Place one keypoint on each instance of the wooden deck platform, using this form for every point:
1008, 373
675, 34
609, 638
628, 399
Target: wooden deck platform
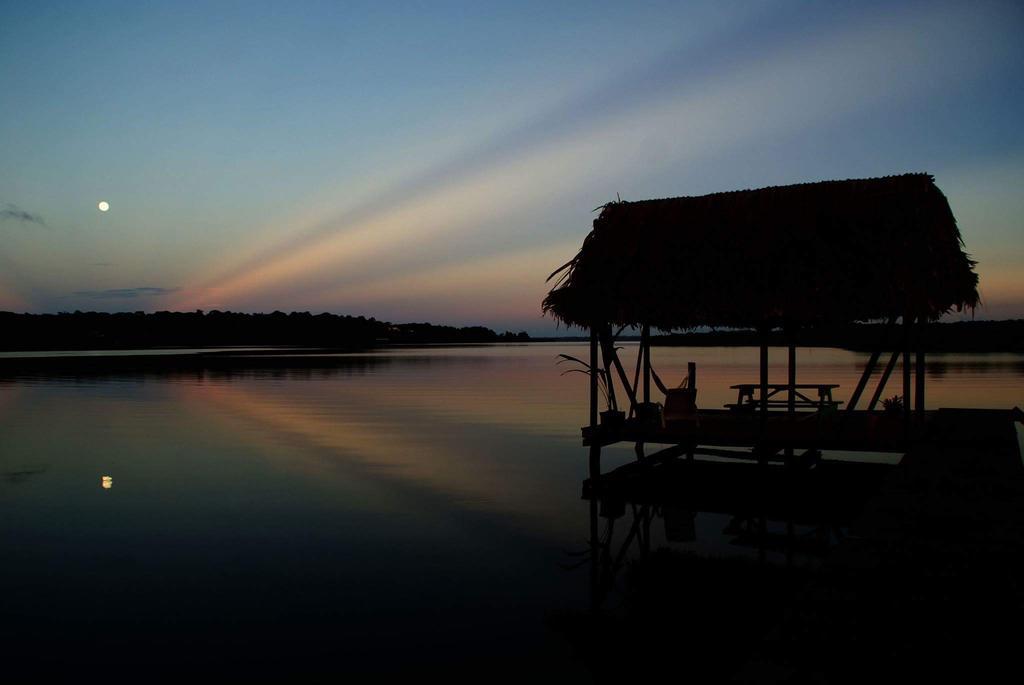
834, 430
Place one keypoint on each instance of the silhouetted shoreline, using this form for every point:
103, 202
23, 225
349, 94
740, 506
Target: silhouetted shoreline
139, 330
301, 333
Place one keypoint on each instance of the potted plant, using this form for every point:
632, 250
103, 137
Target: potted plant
880, 424
611, 416
893, 405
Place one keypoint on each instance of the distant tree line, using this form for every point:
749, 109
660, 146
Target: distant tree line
960, 336
99, 330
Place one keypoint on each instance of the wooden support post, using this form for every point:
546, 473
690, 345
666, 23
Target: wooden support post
644, 359
645, 349
636, 370
919, 371
764, 373
764, 379
609, 383
789, 330
791, 379
593, 377
907, 330
614, 356
691, 383
595, 448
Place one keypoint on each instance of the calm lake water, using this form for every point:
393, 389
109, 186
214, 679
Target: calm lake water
409, 511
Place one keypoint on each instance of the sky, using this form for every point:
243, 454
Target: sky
435, 161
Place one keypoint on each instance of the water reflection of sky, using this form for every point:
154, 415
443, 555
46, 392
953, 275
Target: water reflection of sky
425, 495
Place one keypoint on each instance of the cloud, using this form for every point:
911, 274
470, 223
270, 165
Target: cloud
12, 212
123, 293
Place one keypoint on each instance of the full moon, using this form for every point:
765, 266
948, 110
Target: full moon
103, 205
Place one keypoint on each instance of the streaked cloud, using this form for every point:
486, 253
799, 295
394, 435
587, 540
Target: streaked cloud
489, 289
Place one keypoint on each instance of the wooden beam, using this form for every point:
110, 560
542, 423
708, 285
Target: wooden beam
763, 331
764, 373
595, 449
645, 345
630, 391
636, 371
609, 384
593, 377
869, 368
907, 330
790, 331
919, 371
791, 379
884, 379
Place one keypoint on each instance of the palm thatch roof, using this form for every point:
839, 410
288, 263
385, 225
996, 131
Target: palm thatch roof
828, 252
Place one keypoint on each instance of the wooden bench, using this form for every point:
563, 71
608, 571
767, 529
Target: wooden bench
747, 396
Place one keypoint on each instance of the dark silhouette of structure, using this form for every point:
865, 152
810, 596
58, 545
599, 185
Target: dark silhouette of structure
934, 543
790, 258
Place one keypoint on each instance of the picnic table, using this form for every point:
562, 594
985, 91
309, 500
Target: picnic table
778, 396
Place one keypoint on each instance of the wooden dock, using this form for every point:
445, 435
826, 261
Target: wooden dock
926, 581
838, 430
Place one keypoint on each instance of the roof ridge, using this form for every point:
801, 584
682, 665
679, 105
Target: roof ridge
787, 186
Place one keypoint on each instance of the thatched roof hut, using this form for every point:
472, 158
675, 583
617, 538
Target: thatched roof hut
828, 252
